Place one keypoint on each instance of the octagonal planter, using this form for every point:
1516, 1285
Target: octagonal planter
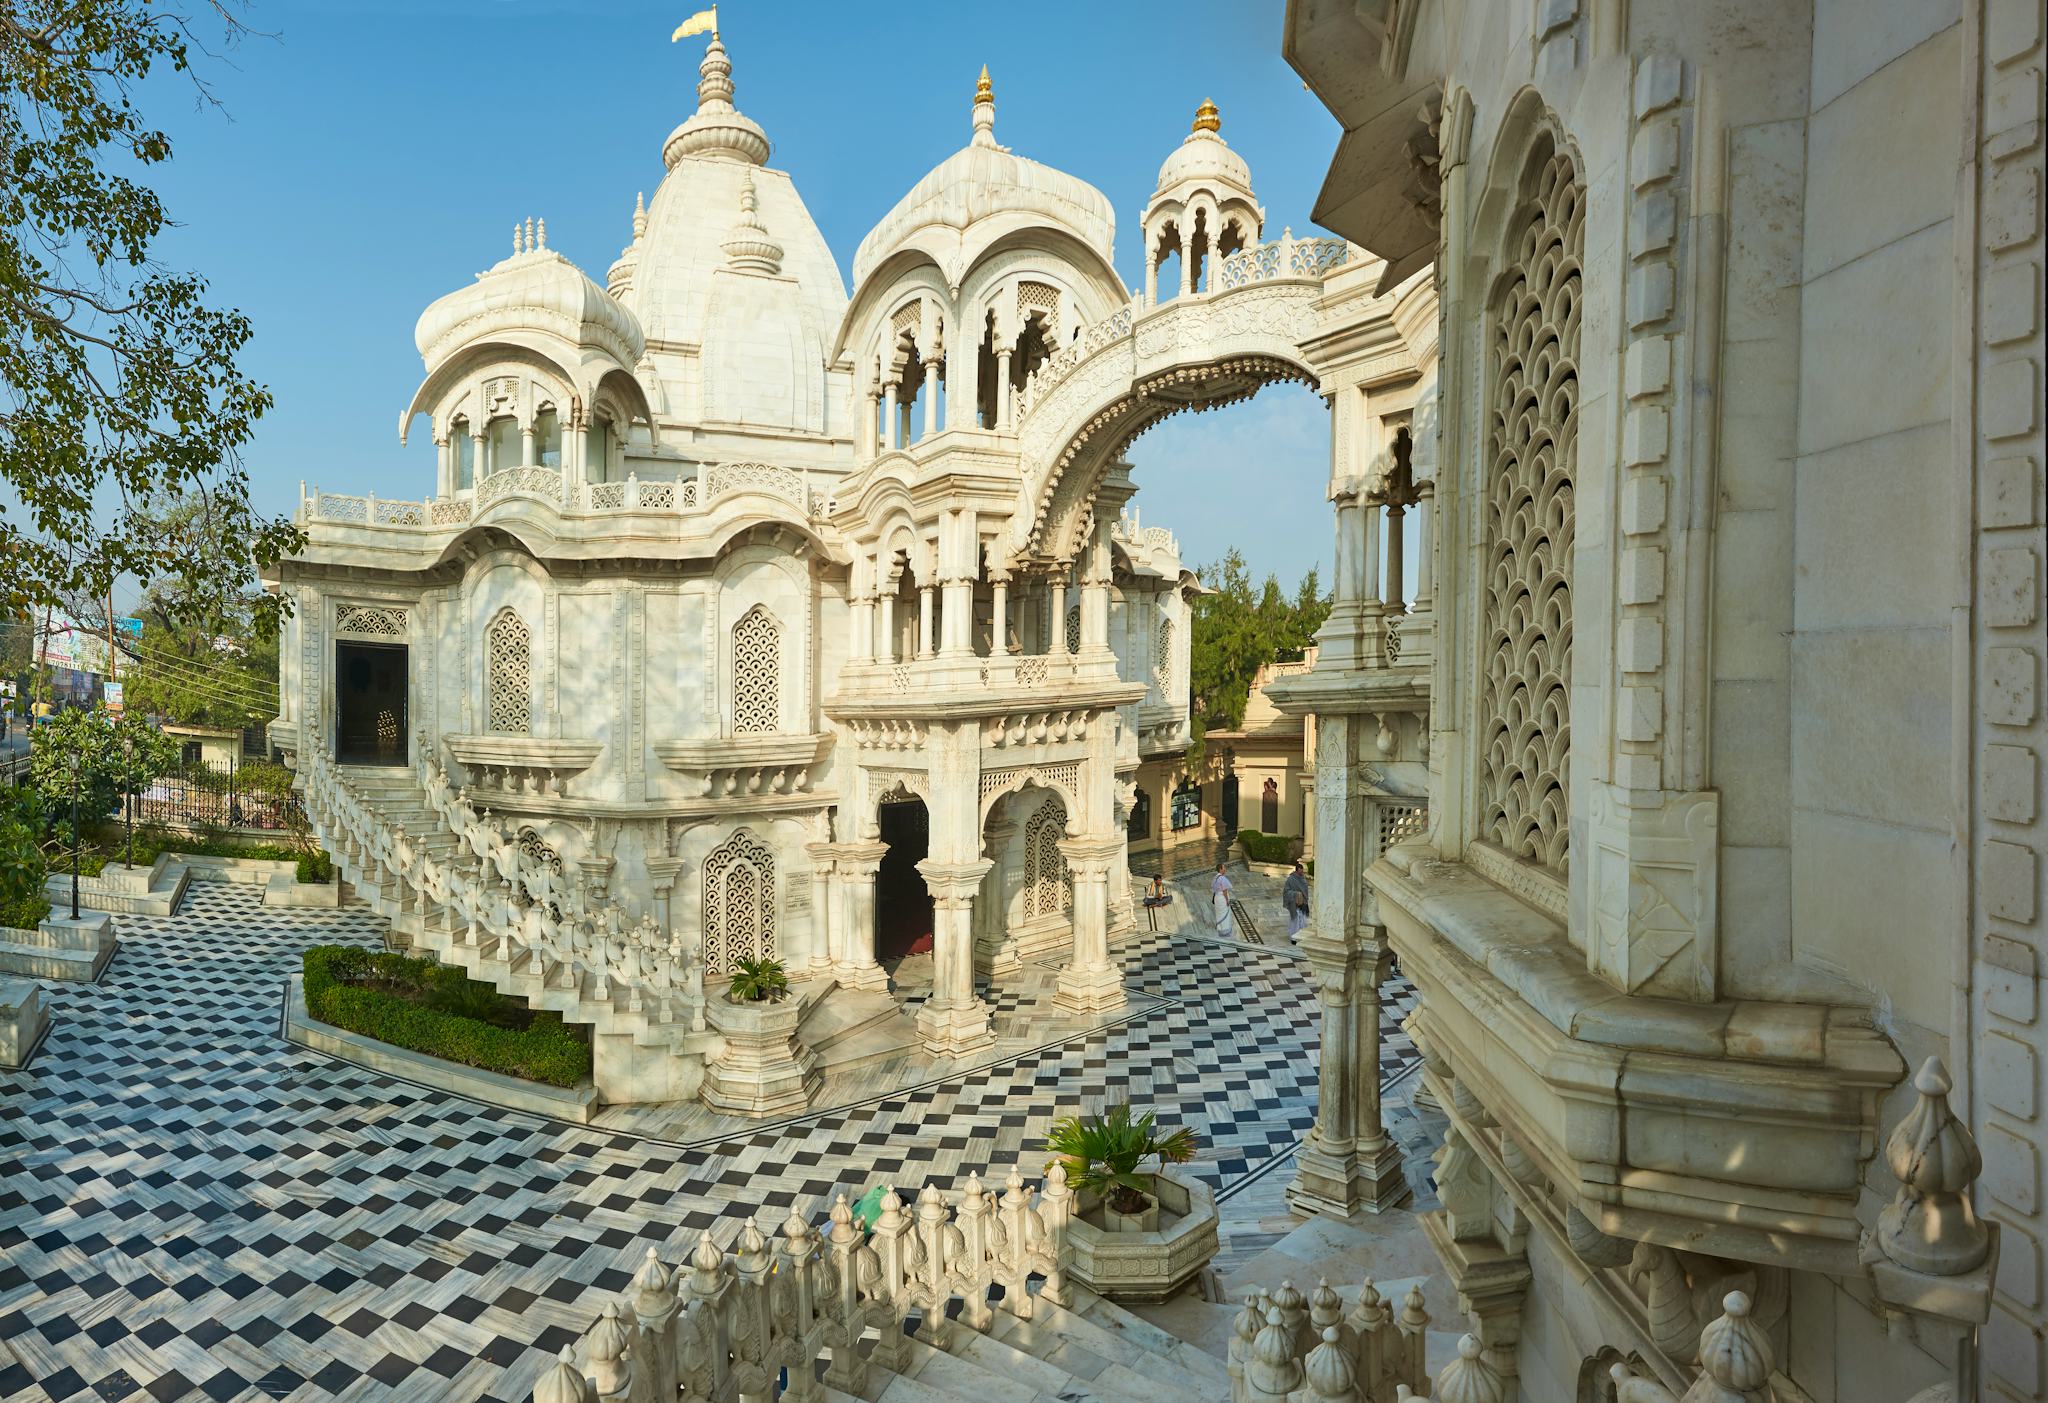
1148, 1257
764, 1069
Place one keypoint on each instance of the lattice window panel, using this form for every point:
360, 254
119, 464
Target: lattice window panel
1532, 452
1037, 297
739, 903
1162, 659
368, 621
1047, 888
1074, 630
508, 660
756, 673
1400, 822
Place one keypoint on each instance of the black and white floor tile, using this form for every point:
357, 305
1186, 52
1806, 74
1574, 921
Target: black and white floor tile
193, 1208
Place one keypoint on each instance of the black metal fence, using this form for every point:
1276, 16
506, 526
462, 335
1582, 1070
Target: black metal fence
199, 795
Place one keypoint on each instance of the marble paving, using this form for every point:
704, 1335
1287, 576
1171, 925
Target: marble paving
193, 1208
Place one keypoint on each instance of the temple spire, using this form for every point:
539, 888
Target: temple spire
984, 110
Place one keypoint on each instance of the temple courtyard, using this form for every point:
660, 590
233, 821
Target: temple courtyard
198, 1208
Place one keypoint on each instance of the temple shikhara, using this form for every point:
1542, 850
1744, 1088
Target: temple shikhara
1665, 1022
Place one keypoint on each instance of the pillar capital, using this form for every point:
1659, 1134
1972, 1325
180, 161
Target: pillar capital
858, 860
953, 884
1090, 855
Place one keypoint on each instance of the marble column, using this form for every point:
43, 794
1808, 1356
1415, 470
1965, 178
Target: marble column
954, 1022
1058, 642
995, 948
1187, 265
892, 436
1090, 983
856, 966
1348, 1164
887, 599
1395, 515
816, 962
932, 368
999, 616
1003, 390
661, 875
926, 646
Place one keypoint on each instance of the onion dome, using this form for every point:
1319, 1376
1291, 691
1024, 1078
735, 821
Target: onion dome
717, 129
1203, 158
535, 289
986, 184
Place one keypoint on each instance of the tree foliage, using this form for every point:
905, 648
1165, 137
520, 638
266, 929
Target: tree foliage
117, 755
117, 380
1237, 628
208, 653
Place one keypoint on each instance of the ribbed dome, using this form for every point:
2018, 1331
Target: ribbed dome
981, 181
1203, 157
534, 288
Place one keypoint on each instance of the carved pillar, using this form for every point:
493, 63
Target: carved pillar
932, 369
1349, 1164
1395, 516
1058, 642
1090, 983
886, 597
661, 875
999, 616
857, 967
871, 426
926, 646
892, 426
954, 1021
1095, 576
817, 960
1187, 264
995, 948
1003, 390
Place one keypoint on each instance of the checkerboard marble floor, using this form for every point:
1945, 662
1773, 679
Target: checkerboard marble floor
193, 1208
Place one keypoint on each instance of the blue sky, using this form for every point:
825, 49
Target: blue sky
368, 157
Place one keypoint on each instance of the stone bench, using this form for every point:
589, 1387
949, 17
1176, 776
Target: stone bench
23, 1021
60, 948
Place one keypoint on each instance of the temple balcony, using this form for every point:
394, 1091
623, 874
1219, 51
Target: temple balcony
969, 685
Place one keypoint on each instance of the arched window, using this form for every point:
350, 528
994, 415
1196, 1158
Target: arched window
547, 439
504, 445
1527, 514
756, 673
1047, 890
739, 903
465, 455
508, 664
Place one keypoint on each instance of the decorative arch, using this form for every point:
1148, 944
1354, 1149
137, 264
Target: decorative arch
739, 903
756, 673
1062, 781
1048, 886
1527, 516
508, 674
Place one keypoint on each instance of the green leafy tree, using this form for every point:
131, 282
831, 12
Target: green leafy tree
22, 863
117, 755
117, 380
1238, 628
208, 653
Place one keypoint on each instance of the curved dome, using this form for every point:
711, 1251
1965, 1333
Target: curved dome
1204, 158
728, 262
534, 289
982, 181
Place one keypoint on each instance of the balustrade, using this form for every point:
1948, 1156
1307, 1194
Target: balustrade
714, 482
491, 891
750, 1322
1287, 1348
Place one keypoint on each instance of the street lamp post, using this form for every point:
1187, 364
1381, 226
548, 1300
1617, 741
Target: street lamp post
128, 799
77, 764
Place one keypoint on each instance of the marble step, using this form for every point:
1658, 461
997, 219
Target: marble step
40, 961
994, 1356
1109, 1358
1182, 1354
881, 1043
955, 1374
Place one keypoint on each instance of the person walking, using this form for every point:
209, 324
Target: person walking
1294, 898
1219, 901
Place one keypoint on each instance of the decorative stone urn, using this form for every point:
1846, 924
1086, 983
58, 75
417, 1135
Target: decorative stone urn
1145, 1257
763, 1070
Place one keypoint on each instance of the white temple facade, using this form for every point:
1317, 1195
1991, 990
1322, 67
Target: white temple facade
746, 619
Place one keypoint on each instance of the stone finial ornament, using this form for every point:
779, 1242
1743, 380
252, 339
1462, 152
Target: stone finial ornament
748, 247
1327, 1372
1469, 1378
609, 1347
984, 110
652, 1290
639, 215
1930, 1226
1207, 118
1735, 1358
564, 1383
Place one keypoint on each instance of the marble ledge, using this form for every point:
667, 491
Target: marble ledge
1527, 951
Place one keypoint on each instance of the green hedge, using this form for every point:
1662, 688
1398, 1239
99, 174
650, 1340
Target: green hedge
337, 993
27, 913
315, 866
1265, 847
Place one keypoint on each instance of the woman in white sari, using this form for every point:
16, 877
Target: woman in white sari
1219, 901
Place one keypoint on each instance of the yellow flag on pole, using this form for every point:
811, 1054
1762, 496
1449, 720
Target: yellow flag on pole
702, 22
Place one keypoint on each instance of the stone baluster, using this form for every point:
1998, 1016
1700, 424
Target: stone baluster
1293, 1308
753, 1324
1013, 1217
710, 1281
1369, 1322
796, 1263
929, 1290
1411, 1338
972, 1272
1244, 1332
609, 1348
848, 1371
1055, 1209
654, 1347
892, 1254
1273, 1372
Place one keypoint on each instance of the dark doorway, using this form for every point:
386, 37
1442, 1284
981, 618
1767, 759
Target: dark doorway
369, 702
903, 908
1269, 807
1227, 818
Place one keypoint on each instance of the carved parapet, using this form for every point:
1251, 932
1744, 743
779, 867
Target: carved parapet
739, 767
523, 764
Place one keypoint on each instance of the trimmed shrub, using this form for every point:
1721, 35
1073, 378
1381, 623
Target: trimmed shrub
26, 912
1265, 847
414, 1004
314, 865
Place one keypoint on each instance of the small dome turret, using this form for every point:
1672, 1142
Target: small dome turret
1204, 158
537, 289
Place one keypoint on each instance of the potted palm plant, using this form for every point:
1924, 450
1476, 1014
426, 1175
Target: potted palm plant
1134, 1235
758, 981
764, 1068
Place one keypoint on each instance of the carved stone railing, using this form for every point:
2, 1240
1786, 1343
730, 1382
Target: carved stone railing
1289, 1347
492, 891
751, 1322
634, 494
526, 481
725, 479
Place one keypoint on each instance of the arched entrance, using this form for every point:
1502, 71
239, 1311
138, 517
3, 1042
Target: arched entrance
903, 907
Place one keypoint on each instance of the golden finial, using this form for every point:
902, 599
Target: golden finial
984, 90
1207, 118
